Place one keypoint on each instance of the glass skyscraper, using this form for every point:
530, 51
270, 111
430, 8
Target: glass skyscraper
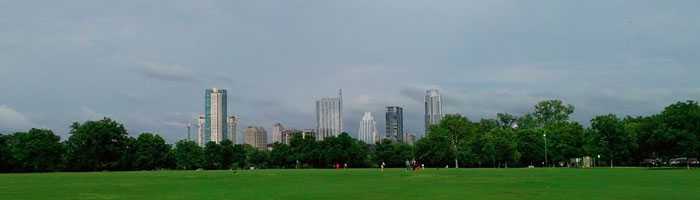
433, 108
329, 117
368, 129
215, 117
394, 123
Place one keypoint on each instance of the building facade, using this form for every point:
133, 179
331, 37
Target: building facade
329, 116
277, 130
256, 137
288, 134
433, 108
368, 129
410, 139
215, 115
394, 123
200, 130
233, 128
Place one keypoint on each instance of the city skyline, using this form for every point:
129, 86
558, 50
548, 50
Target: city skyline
63, 62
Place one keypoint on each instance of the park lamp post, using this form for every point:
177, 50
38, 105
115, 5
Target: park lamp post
545, 149
598, 159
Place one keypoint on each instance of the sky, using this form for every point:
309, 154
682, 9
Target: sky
147, 63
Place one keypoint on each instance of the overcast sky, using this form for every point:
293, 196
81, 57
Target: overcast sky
147, 63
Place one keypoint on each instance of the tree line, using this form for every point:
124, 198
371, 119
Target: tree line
545, 136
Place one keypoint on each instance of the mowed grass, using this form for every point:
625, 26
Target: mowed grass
357, 184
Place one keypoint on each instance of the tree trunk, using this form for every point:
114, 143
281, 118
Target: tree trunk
456, 163
611, 164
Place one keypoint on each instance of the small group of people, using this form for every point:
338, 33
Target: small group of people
412, 165
337, 165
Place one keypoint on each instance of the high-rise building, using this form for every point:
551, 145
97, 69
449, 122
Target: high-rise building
288, 134
256, 137
433, 108
215, 115
410, 139
394, 123
329, 116
232, 128
368, 129
200, 130
277, 130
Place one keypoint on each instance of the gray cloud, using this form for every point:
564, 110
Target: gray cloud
68, 61
163, 72
11, 119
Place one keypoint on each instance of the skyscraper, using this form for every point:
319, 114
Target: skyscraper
433, 108
215, 115
232, 128
277, 130
394, 123
410, 139
368, 129
256, 137
200, 130
329, 116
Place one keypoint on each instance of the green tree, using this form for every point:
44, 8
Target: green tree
682, 120
305, 150
530, 146
239, 156
5, 157
343, 149
672, 133
393, 154
552, 112
188, 155
36, 150
610, 138
213, 155
227, 152
96, 145
457, 130
506, 120
434, 150
566, 140
280, 155
151, 152
501, 146
257, 158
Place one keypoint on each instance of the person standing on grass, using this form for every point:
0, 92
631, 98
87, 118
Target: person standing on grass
382, 166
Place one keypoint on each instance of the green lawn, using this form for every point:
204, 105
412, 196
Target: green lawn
357, 184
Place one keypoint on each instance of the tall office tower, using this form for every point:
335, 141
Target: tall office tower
200, 130
433, 108
329, 116
410, 139
232, 128
368, 129
287, 135
256, 137
277, 130
215, 115
394, 123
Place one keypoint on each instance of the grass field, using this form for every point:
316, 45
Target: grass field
357, 184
